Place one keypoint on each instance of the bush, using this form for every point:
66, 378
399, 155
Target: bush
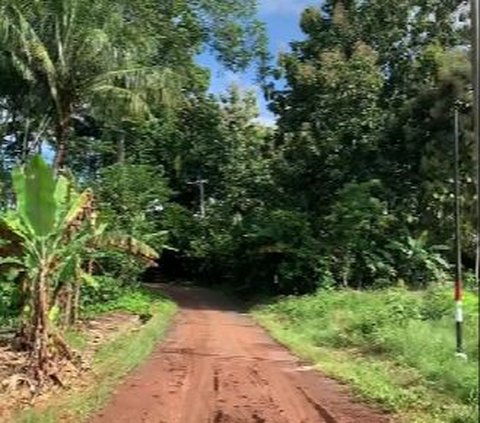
438, 303
127, 192
106, 290
119, 266
412, 329
9, 302
132, 300
132, 199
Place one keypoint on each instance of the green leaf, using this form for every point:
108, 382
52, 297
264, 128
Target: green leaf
68, 270
100, 230
11, 260
88, 279
167, 247
127, 244
39, 197
81, 203
18, 181
62, 188
11, 274
10, 223
54, 314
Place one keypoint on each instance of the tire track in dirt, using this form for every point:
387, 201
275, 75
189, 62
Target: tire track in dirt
217, 366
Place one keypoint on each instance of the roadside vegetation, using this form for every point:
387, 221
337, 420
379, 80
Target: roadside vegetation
79, 220
395, 347
114, 359
51, 237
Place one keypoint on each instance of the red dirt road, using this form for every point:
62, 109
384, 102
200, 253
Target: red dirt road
217, 366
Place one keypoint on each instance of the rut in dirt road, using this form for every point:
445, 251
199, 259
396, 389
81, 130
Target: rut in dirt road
217, 366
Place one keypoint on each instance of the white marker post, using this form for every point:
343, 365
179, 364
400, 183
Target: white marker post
458, 241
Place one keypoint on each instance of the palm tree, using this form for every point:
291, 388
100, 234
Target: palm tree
82, 55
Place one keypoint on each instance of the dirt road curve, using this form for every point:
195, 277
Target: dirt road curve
217, 366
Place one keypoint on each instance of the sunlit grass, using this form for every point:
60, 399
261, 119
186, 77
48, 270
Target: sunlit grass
395, 348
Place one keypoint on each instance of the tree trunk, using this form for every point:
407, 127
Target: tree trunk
61, 152
60, 155
25, 142
346, 273
39, 356
75, 304
61, 298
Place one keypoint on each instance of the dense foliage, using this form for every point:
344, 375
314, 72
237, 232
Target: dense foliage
353, 187
102, 89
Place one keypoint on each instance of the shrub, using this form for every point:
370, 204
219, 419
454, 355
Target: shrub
9, 302
132, 300
412, 329
105, 290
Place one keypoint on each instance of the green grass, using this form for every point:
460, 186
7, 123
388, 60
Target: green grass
111, 363
394, 347
134, 300
76, 340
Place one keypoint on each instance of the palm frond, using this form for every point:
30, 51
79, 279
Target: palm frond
110, 101
129, 92
30, 44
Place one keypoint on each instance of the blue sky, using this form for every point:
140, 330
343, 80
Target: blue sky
282, 20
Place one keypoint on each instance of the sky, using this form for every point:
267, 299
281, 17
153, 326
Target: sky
282, 19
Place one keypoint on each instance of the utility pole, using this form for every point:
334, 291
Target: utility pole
475, 18
201, 186
458, 239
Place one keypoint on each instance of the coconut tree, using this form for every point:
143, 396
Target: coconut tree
81, 54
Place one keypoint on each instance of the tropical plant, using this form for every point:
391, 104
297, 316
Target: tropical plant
113, 60
418, 262
78, 54
53, 231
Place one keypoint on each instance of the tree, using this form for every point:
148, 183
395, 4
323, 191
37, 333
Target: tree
330, 123
50, 231
369, 97
246, 180
110, 58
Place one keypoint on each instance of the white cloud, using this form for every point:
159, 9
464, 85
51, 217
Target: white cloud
284, 7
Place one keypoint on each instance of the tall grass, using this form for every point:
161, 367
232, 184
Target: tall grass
405, 338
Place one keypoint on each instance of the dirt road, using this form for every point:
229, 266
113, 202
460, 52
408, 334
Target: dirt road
217, 366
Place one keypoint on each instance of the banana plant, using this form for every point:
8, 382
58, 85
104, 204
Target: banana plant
53, 231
